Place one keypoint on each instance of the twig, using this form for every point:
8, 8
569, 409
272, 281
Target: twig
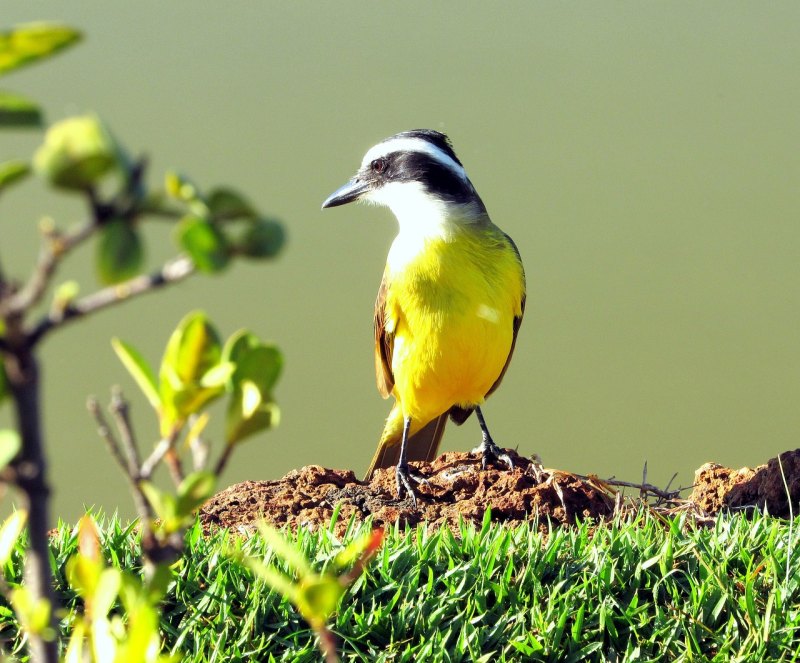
198, 446
121, 409
172, 271
162, 448
642, 493
55, 247
174, 465
645, 488
104, 432
128, 465
224, 457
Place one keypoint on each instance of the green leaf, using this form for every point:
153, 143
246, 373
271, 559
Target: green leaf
180, 187
77, 152
226, 203
193, 491
119, 252
164, 504
283, 548
28, 43
264, 238
193, 349
158, 583
106, 592
18, 111
251, 398
251, 408
189, 401
243, 420
10, 444
12, 172
262, 365
204, 243
318, 597
218, 376
9, 534
238, 344
139, 369
83, 574
33, 613
274, 578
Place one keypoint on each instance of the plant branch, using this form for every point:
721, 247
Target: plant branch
172, 271
54, 248
129, 460
224, 457
30, 476
120, 408
162, 448
105, 434
662, 493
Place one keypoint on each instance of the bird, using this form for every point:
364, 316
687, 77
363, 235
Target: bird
450, 303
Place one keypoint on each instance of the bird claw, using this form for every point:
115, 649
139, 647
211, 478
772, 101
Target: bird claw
489, 451
404, 477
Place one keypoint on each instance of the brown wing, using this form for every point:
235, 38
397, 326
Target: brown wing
384, 342
517, 320
517, 323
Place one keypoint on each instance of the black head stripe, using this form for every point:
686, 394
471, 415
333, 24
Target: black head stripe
434, 175
435, 138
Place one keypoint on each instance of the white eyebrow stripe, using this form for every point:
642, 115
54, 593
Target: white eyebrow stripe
413, 145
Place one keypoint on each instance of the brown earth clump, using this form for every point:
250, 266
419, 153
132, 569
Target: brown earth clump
457, 489
769, 486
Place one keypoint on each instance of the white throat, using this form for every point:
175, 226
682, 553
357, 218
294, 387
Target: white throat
421, 217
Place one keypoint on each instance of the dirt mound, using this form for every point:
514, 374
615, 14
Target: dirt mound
458, 489
769, 486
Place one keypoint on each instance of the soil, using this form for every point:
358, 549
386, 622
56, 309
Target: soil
456, 488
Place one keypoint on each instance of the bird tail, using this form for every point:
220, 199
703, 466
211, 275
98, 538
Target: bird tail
422, 445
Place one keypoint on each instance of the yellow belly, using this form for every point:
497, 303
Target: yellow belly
451, 310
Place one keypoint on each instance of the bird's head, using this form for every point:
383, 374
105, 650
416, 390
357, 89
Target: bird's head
417, 175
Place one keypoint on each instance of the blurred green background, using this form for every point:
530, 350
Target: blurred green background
644, 157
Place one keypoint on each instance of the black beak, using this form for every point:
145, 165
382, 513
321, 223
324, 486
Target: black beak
351, 191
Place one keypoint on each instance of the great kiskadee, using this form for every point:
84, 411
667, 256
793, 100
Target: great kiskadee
450, 303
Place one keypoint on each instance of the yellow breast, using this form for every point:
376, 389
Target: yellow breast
451, 307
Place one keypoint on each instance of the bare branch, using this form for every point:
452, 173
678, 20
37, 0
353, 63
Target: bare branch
162, 449
128, 461
121, 410
198, 445
644, 488
54, 248
172, 271
104, 431
223, 460
174, 465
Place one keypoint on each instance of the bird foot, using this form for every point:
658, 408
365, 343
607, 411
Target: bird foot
489, 451
404, 477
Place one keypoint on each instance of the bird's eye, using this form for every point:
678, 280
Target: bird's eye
378, 166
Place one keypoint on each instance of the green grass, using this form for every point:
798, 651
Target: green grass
640, 589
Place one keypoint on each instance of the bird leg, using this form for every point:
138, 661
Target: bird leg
403, 475
487, 448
